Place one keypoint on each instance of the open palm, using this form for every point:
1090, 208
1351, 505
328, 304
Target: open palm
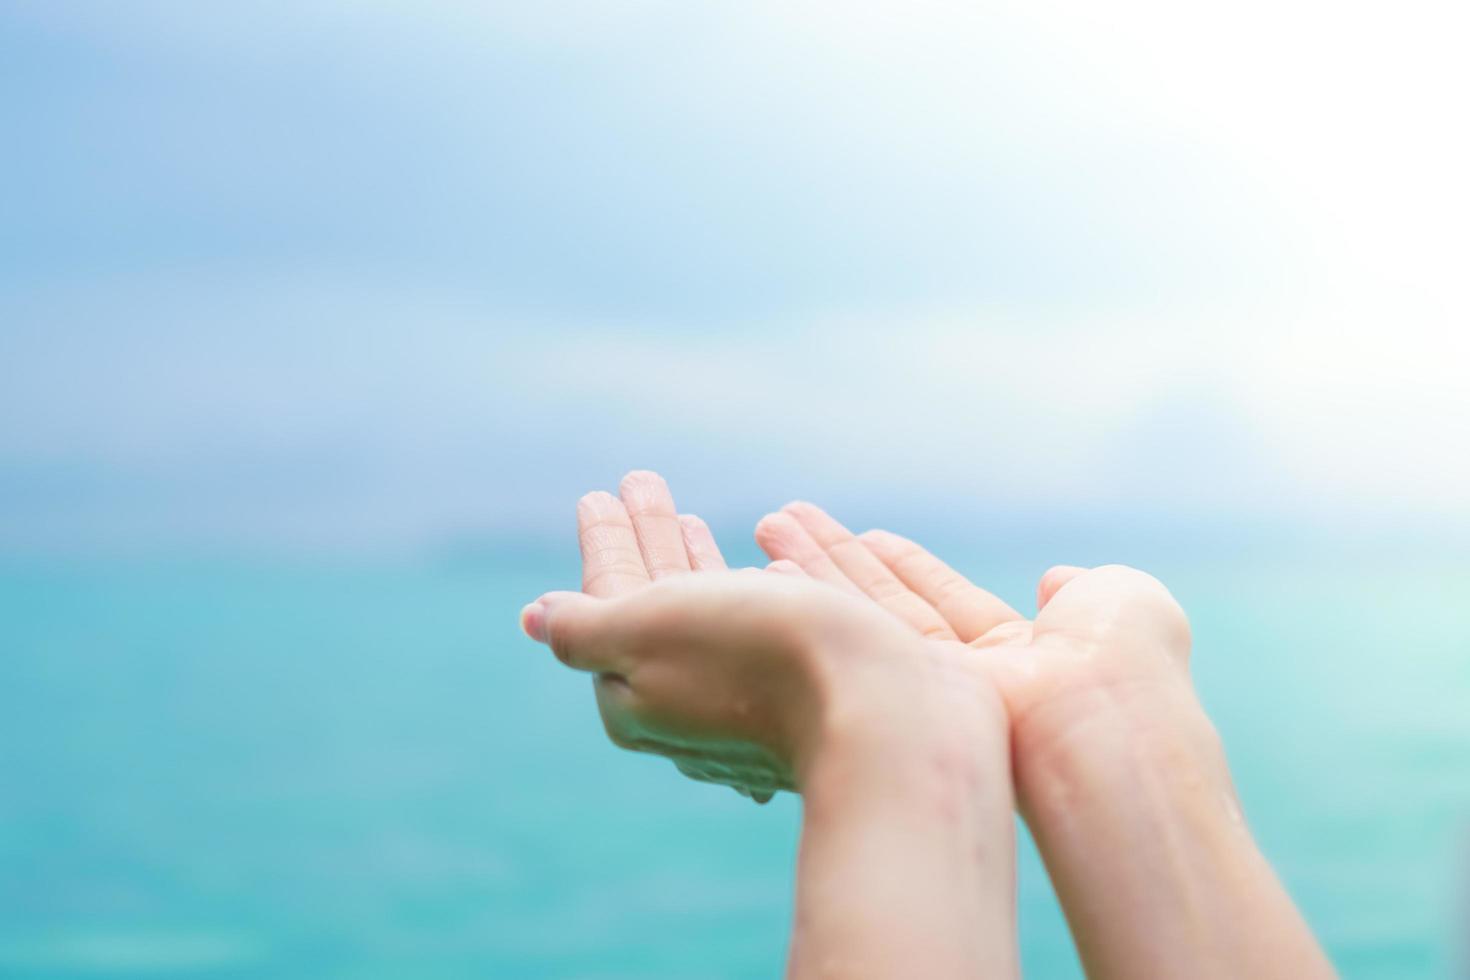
1102, 638
629, 541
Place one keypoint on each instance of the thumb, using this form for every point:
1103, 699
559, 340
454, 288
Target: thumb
1054, 578
577, 628
1113, 603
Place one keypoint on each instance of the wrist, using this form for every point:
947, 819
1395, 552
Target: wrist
1156, 729
907, 860
921, 728
1145, 769
1134, 813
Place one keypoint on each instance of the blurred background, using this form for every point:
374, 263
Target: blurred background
317, 317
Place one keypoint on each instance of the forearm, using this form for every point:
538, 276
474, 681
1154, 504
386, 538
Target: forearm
1138, 823
907, 863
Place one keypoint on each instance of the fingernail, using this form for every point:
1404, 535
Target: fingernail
533, 621
597, 504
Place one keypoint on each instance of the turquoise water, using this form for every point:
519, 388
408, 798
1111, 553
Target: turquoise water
242, 770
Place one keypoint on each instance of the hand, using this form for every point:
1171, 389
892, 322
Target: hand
745, 677
764, 681
637, 543
1118, 771
1109, 646
632, 539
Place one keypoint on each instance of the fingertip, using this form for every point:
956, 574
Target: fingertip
820, 524
557, 619
635, 480
768, 528
692, 522
779, 534
785, 566
533, 621
1052, 581
597, 503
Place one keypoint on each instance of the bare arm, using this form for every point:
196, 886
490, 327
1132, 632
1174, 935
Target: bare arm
1135, 816
898, 746
1118, 772
907, 862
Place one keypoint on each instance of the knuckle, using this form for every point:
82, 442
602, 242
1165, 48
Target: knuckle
606, 535
936, 631
623, 569
911, 564
888, 590
559, 647
892, 548
946, 585
663, 558
851, 549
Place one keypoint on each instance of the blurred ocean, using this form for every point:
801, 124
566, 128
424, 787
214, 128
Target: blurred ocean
248, 769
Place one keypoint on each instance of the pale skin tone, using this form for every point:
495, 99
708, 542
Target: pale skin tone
1117, 770
765, 681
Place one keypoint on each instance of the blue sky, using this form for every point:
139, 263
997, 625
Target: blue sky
356, 276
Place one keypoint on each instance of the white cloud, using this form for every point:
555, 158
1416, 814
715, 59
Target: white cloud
1280, 185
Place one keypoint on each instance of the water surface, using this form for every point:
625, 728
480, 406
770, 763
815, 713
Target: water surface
246, 769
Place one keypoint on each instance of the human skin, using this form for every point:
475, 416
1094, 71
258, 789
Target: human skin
761, 681
1119, 773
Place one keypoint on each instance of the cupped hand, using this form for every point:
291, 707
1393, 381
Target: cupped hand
628, 542
734, 675
1118, 771
1109, 645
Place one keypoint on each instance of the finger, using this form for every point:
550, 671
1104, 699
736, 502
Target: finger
578, 631
656, 522
968, 609
782, 537
699, 543
1120, 603
611, 562
785, 566
1053, 579
868, 573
